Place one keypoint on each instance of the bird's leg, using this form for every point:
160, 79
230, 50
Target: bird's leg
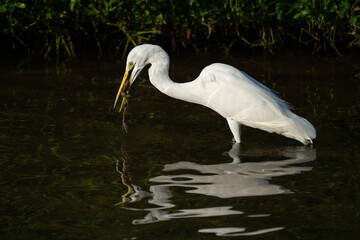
235, 129
234, 152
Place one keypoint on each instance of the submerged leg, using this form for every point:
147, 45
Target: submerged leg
235, 129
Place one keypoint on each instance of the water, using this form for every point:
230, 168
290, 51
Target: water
68, 171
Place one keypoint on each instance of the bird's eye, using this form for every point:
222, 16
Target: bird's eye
130, 65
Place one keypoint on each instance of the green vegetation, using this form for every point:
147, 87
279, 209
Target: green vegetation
58, 27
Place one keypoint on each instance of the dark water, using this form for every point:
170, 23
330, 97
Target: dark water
68, 171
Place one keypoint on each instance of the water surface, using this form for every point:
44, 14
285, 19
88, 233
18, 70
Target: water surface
68, 171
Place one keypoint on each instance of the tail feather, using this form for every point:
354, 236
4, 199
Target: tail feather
300, 129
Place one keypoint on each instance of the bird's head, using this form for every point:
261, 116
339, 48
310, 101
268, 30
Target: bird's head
137, 59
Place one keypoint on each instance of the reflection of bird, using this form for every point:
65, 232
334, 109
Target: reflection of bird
239, 179
223, 180
233, 94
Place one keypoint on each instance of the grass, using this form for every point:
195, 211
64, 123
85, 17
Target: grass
66, 28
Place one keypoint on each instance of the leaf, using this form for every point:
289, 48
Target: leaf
295, 5
2, 8
20, 5
297, 15
345, 7
353, 20
72, 5
305, 12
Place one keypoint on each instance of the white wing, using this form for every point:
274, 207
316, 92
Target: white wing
236, 95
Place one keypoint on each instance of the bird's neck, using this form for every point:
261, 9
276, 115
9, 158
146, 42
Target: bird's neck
159, 77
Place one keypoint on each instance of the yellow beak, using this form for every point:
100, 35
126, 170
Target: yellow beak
124, 100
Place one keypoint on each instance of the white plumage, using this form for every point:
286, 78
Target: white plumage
233, 94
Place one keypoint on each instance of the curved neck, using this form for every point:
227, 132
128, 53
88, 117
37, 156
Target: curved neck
159, 77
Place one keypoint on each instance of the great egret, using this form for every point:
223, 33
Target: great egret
233, 94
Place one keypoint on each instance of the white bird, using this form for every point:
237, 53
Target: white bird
233, 94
